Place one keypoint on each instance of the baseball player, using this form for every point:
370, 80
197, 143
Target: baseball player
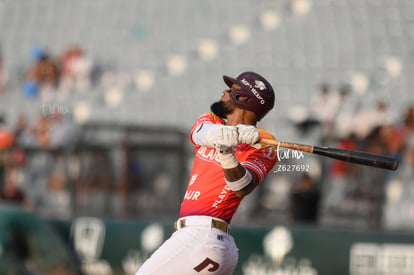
228, 165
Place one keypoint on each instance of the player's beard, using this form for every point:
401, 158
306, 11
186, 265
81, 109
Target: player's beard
220, 109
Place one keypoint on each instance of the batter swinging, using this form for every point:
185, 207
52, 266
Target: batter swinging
226, 168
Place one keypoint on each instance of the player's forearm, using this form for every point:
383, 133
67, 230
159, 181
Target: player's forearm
234, 174
240, 180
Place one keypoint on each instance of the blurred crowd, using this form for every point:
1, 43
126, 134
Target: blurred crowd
339, 118
44, 134
70, 71
350, 194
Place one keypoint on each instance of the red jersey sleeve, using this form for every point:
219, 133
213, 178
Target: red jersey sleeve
262, 160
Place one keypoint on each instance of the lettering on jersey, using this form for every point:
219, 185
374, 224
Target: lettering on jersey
269, 152
192, 195
221, 196
193, 179
208, 154
260, 163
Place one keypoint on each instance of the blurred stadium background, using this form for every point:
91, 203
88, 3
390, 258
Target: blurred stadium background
99, 97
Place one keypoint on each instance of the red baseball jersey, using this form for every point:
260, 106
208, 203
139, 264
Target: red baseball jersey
207, 192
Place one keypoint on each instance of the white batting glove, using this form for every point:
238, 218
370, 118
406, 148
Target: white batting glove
205, 134
226, 138
213, 135
248, 134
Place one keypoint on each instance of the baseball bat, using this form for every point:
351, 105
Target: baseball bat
364, 158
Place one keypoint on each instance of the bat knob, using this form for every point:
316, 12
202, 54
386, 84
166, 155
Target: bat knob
394, 165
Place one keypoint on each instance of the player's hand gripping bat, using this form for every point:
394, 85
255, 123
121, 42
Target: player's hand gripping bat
369, 159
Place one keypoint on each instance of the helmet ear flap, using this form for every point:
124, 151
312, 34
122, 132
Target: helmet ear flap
241, 98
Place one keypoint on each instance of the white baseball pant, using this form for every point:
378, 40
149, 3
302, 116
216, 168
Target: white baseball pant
195, 249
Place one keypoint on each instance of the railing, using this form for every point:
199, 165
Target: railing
113, 171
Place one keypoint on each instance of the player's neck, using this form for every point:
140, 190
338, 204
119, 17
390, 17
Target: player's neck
241, 116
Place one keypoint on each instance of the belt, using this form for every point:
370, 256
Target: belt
201, 221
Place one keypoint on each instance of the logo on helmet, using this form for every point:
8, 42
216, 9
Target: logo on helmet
260, 85
254, 91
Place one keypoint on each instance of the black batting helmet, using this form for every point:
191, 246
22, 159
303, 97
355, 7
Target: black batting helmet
257, 91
